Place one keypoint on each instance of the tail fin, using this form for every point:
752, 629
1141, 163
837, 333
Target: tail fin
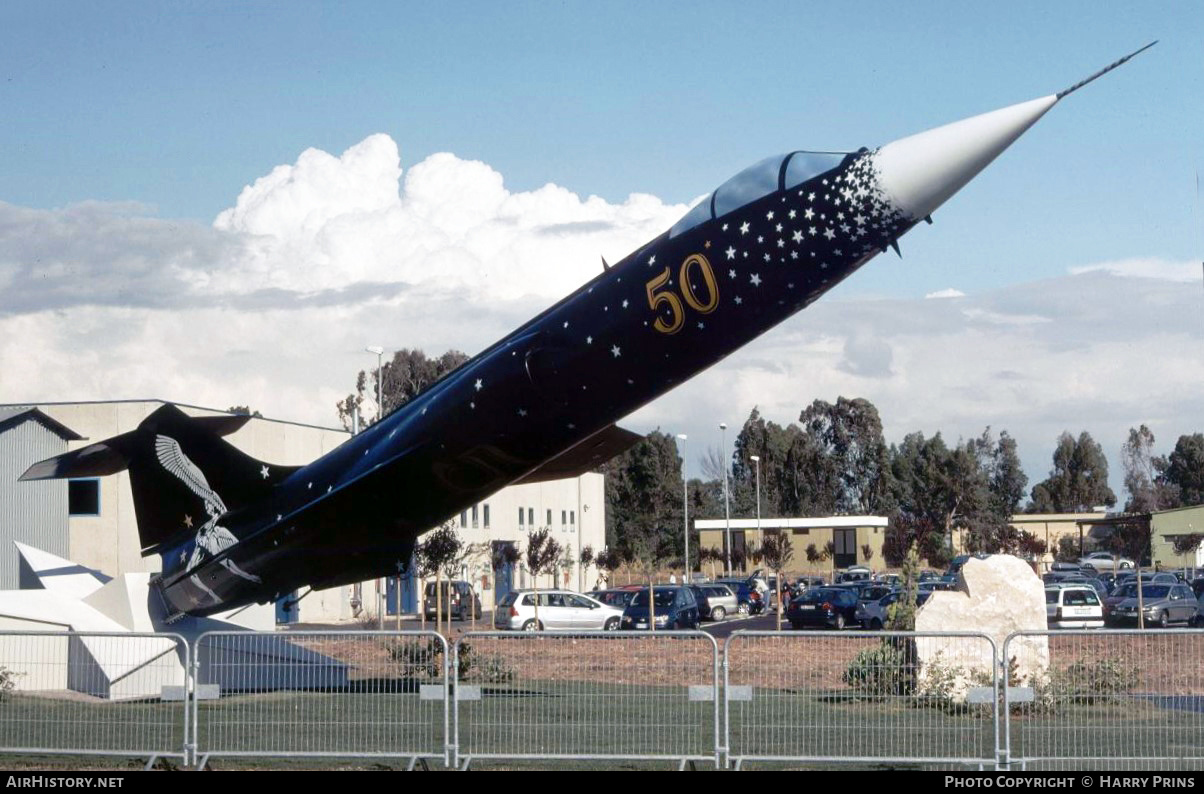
181, 471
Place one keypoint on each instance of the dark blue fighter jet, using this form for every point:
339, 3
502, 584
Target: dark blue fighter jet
542, 402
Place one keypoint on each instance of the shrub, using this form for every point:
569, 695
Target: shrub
427, 659
8, 683
881, 671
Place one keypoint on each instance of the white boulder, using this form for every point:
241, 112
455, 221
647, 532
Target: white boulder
996, 596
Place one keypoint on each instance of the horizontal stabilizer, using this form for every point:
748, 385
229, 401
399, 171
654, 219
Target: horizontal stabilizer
95, 460
586, 456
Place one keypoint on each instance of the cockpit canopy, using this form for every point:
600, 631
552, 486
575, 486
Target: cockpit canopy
773, 173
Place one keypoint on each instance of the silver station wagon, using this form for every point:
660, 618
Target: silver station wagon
559, 610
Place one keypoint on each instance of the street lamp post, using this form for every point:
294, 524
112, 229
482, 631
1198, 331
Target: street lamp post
382, 596
685, 503
727, 510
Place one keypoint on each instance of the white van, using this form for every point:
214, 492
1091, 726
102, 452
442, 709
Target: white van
1073, 606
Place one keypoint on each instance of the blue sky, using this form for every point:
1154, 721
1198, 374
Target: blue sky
141, 123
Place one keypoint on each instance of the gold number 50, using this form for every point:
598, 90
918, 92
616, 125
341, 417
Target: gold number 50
676, 311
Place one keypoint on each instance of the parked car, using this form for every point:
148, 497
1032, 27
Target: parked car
892, 579
559, 610
956, 565
465, 603
874, 592
1073, 606
613, 598
1104, 561
855, 573
928, 576
1197, 586
1147, 577
871, 613
672, 607
803, 582
823, 606
1163, 604
715, 601
748, 600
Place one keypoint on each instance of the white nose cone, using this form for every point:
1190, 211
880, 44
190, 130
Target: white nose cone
918, 173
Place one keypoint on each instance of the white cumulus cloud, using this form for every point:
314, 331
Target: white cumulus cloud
272, 305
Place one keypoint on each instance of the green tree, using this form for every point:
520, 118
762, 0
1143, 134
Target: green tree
542, 556
435, 553
777, 552
1145, 474
849, 435
1185, 469
403, 377
644, 498
1078, 480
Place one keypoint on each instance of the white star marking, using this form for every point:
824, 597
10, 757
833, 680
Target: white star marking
522, 411
792, 214
781, 243
652, 260
760, 239
477, 385
744, 228
731, 274
329, 488
264, 472
615, 351
769, 215
731, 252
756, 280
809, 214
739, 300
797, 237
624, 303
778, 228
829, 234
589, 340
309, 485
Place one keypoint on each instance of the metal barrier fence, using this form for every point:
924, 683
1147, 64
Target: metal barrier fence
590, 695
94, 693
1099, 699
329, 694
1108, 699
860, 697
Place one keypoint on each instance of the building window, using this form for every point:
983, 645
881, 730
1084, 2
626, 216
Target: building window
520, 516
486, 516
564, 520
463, 519
474, 516
549, 519
573, 519
83, 497
531, 516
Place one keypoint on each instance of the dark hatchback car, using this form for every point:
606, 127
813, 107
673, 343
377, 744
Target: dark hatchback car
464, 604
613, 598
823, 606
673, 608
749, 601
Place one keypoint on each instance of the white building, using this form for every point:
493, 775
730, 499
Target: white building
102, 533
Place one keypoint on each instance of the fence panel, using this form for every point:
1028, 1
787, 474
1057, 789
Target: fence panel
590, 695
93, 693
820, 697
332, 694
1109, 699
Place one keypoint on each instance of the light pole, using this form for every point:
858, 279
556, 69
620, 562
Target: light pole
685, 502
757, 464
727, 511
382, 596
